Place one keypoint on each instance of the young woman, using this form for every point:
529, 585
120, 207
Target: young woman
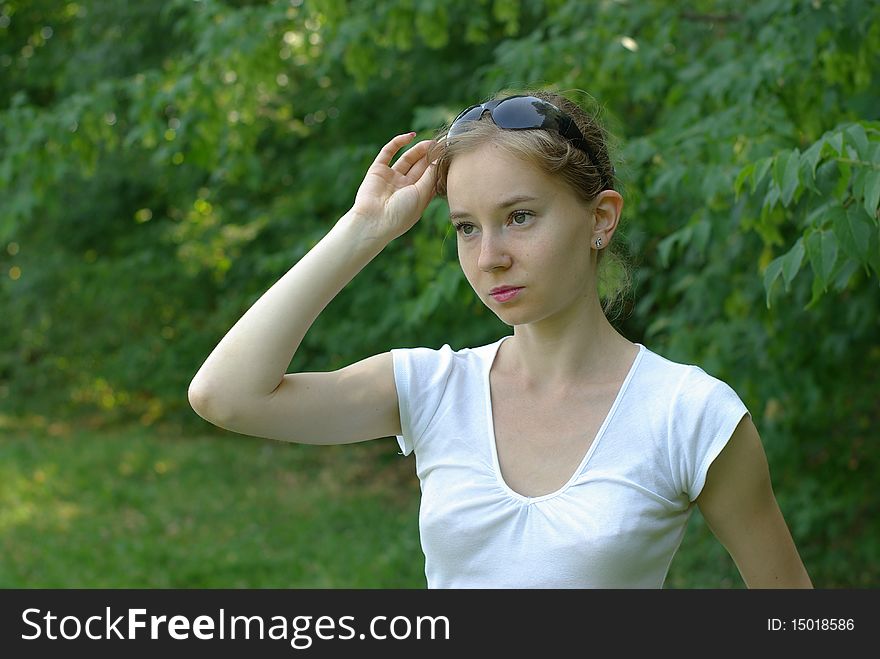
562, 455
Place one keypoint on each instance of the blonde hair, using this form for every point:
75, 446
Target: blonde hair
550, 152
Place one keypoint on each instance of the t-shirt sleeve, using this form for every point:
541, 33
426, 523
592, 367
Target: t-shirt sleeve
421, 376
705, 412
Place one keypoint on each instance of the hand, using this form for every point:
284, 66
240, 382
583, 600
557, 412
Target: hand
393, 198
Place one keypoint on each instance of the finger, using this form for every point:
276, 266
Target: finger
392, 147
426, 185
411, 156
414, 173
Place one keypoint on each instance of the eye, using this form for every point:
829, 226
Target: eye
519, 218
465, 228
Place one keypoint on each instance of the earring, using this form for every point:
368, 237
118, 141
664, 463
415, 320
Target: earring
598, 243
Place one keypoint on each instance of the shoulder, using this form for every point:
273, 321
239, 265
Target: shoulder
443, 358
429, 379
697, 409
699, 412
685, 384
421, 373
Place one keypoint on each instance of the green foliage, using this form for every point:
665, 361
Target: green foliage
163, 162
839, 206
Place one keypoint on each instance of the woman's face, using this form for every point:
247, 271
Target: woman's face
524, 237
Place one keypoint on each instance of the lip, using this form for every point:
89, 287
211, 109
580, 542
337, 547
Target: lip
505, 293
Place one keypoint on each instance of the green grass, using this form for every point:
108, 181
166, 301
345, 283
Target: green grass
134, 508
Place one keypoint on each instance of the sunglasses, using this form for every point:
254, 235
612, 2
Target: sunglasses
527, 113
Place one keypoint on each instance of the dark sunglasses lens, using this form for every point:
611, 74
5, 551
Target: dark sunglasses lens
524, 112
471, 114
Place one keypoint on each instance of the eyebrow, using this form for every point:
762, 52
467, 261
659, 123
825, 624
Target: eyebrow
456, 215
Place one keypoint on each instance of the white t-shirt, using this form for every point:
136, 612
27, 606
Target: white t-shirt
619, 519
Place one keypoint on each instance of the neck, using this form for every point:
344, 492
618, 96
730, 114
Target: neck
578, 346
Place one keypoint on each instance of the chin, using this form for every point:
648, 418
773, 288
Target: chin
512, 317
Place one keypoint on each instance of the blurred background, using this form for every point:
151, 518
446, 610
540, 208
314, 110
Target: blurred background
163, 162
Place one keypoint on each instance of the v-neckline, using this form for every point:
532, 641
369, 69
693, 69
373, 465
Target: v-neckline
490, 422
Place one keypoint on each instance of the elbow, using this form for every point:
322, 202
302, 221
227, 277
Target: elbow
205, 401
198, 398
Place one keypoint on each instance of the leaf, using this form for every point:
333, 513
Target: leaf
770, 200
819, 288
858, 182
771, 274
745, 172
859, 236
812, 156
668, 180
822, 250
835, 140
859, 139
822, 214
807, 177
664, 247
790, 179
844, 274
839, 190
780, 164
761, 168
791, 262
872, 192
852, 231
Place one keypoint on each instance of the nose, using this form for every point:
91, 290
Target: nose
493, 253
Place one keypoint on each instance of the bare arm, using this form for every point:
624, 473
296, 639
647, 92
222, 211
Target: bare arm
740, 508
242, 386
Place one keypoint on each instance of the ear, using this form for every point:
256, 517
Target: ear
606, 214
